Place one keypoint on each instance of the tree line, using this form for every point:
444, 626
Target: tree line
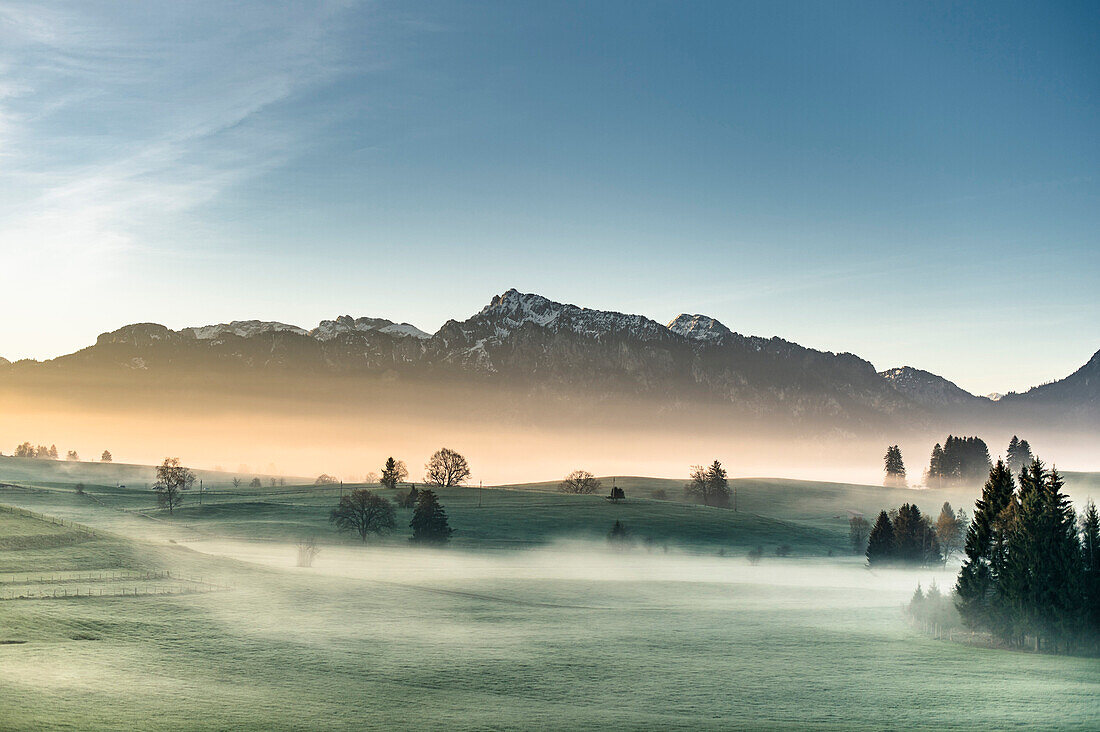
906, 536
958, 461
42, 452
1031, 576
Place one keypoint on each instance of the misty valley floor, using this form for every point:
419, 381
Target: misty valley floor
569, 635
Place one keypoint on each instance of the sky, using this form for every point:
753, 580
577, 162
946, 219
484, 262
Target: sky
916, 183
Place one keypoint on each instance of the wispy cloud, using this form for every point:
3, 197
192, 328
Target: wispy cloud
115, 119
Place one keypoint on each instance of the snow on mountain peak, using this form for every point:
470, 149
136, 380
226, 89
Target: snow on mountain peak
242, 328
699, 328
329, 329
514, 308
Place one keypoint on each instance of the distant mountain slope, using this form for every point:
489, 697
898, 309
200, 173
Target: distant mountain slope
928, 389
1078, 393
547, 347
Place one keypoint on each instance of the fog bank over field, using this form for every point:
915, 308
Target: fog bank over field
508, 435
588, 561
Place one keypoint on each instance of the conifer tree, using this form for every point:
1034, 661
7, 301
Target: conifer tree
936, 473
429, 520
1090, 560
1061, 597
1018, 454
393, 472
880, 545
914, 538
974, 589
1024, 453
1042, 580
895, 468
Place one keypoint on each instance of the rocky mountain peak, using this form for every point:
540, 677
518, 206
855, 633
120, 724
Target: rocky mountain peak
240, 328
699, 328
137, 334
926, 387
513, 309
329, 329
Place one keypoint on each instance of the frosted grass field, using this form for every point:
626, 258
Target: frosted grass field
565, 635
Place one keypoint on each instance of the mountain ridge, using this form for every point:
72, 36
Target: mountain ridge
526, 338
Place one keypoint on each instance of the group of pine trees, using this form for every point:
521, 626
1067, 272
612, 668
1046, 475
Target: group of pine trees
959, 460
903, 536
1018, 454
1031, 576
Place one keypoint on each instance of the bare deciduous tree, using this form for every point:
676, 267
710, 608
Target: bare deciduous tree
236, 482
580, 481
307, 552
172, 480
446, 468
363, 512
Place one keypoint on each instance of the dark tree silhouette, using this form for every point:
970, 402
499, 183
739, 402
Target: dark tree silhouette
393, 472
961, 461
914, 537
708, 485
1018, 455
446, 468
580, 481
984, 548
616, 494
172, 480
880, 544
895, 468
1026, 578
1090, 559
363, 512
429, 520
106, 457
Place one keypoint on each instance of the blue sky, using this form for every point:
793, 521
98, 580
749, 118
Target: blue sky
912, 182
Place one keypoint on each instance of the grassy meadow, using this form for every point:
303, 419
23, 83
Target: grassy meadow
527, 620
